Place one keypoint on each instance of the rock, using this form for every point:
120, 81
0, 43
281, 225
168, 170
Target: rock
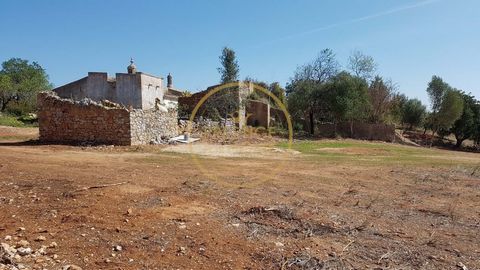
129, 211
71, 267
117, 248
23, 243
42, 250
40, 238
54, 256
53, 245
8, 238
21, 229
182, 250
22, 251
279, 244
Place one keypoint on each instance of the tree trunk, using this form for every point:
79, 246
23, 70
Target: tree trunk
433, 137
351, 129
3, 106
312, 125
459, 142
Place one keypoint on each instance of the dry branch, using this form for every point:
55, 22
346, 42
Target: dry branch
100, 186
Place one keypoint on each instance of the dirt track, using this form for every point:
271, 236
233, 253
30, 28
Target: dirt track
277, 210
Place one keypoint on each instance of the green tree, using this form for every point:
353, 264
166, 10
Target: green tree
348, 98
381, 94
306, 96
277, 91
465, 126
20, 81
395, 114
229, 68
362, 65
446, 105
303, 102
413, 113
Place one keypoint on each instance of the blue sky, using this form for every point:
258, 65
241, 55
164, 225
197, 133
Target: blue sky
410, 40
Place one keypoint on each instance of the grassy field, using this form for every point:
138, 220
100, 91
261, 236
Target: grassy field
378, 153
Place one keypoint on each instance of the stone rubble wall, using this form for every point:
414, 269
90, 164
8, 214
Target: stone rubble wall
153, 126
86, 121
361, 131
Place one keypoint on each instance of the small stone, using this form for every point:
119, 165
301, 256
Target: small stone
182, 250
129, 211
117, 248
107, 260
24, 251
23, 243
42, 250
53, 245
71, 267
236, 225
40, 238
8, 238
54, 256
83, 235
21, 229
279, 244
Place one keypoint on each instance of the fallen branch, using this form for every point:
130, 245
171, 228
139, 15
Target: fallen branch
383, 257
345, 248
100, 186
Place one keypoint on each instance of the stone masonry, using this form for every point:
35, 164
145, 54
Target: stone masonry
68, 121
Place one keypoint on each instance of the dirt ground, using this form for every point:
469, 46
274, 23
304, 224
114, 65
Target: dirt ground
320, 205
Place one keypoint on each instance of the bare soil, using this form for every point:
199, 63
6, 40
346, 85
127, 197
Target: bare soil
240, 207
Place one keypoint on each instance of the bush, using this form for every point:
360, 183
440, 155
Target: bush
8, 120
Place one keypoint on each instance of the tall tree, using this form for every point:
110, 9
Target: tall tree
381, 94
446, 105
348, 98
413, 113
321, 69
362, 65
229, 68
465, 126
277, 91
305, 92
396, 110
20, 81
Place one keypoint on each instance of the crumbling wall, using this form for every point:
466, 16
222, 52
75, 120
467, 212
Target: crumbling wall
68, 121
258, 114
153, 126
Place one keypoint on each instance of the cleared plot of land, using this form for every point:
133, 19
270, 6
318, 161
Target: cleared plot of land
332, 204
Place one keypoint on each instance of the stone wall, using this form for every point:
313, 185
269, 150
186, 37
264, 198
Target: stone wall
86, 121
258, 114
153, 126
66, 121
361, 131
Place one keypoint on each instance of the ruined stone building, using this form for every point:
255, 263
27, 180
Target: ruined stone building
256, 113
132, 108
